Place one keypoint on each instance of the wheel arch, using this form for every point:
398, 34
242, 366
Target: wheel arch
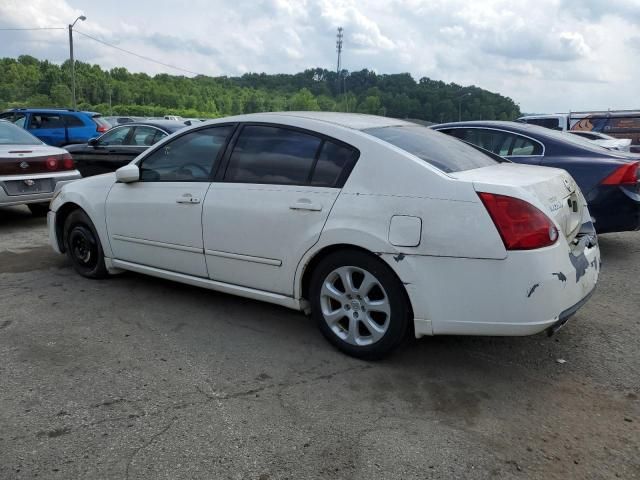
62, 214
312, 260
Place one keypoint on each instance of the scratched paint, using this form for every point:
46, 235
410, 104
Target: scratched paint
532, 289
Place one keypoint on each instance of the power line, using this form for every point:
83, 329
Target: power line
137, 55
35, 28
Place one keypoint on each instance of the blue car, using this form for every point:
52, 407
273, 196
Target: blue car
58, 127
608, 179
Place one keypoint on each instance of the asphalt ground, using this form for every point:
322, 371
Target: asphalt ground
136, 377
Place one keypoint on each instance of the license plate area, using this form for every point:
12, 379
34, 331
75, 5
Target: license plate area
28, 186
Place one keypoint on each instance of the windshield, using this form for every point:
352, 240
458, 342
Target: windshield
12, 135
442, 151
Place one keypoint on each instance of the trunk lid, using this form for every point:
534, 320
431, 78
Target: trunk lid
557, 194
29, 159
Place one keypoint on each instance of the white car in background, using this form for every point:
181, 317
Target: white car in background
30, 170
606, 141
378, 227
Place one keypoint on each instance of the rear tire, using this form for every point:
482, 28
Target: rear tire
83, 247
38, 209
359, 304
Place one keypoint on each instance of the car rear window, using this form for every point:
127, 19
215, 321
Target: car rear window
13, 135
440, 150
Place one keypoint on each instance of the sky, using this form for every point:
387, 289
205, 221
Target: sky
547, 55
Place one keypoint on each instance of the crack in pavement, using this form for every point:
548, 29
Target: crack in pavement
146, 444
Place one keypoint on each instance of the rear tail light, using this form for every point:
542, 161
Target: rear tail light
60, 162
101, 128
521, 225
67, 162
625, 175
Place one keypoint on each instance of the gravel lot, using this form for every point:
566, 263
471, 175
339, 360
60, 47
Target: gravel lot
135, 377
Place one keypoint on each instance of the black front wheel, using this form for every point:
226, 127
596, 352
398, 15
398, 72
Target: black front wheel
83, 246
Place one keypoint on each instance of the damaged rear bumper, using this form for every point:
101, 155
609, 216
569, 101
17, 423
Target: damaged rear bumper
526, 293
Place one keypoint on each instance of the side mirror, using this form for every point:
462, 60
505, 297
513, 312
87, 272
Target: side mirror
93, 142
128, 174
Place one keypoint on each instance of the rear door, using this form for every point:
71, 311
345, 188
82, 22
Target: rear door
276, 191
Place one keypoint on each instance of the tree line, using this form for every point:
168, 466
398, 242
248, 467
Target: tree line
27, 81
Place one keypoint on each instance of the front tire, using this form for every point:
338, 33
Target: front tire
359, 304
83, 246
38, 209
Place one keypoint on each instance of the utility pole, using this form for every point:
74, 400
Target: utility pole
73, 63
339, 50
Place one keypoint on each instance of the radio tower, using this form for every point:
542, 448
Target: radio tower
339, 50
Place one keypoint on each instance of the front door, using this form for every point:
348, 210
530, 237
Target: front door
271, 205
157, 221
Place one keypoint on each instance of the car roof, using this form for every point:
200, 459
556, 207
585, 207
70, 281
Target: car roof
356, 121
50, 109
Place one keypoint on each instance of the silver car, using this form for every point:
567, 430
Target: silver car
30, 170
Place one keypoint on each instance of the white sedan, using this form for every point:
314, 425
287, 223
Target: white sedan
378, 227
30, 170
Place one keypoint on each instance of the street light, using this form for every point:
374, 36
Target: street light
460, 105
73, 68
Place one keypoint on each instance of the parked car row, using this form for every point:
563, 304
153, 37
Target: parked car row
378, 227
609, 180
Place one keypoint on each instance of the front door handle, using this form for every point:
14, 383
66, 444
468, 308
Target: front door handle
305, 204
187, 198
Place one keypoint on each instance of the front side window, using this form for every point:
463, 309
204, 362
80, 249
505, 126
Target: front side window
437, 149
115, 137
188, 158
272, 155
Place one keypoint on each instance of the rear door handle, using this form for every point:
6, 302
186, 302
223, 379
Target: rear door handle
187, 198
305, 204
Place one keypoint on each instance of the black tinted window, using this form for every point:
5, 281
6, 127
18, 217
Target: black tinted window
501, 143
441, 151
334, 159
72, 121
188, 158
553, 123
45, 120
265, 154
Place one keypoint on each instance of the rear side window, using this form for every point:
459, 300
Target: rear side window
73, 121
499, 142
45, 120
333, 165
101, 122
441, 151
265, 154
553, 123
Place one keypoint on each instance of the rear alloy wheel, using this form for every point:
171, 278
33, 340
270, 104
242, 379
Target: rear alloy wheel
359, 304
38, 209
83, 246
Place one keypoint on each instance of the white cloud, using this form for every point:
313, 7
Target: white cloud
548, 55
